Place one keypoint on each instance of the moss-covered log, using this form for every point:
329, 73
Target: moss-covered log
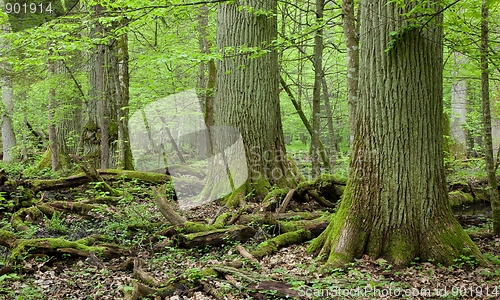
56, 246
166, 209
80, 179
271, 246
216, 237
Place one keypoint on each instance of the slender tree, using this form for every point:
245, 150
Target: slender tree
396, 203
318, 78
351, 35
8, 137
458, 133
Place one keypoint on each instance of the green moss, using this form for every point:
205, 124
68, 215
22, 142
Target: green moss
234, 199
17, 221
45, 161
7, 236
261, 186
144, 176
300, 224
221, 221
322, 244
275, 193
458, 198
271, 246
400, 250
193, 227
481, 194
208, 272
23, 247
450, 242
326, 179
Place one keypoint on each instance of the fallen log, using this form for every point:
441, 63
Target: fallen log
216, 237
80, 179
56, 246
94, 176
272, 246
166, 210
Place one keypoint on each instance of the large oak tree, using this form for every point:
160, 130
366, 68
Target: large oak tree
396, 204
247, 91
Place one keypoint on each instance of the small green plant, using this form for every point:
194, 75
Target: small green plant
194, 275
465, 260
56, 223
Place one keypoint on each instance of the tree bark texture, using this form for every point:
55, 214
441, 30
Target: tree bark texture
318, 77
458, 133
351, 35
54, 149
247, 95
101, 128
123, 83
396, 204
8, 137
488, 141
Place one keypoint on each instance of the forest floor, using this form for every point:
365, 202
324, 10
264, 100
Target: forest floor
290, 273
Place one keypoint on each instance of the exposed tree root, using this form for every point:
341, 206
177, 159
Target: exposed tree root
216, 237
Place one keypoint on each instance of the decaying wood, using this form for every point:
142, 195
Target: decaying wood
215, 237
166, 210
80, 179
271, 246
286, 201
320, 199
283, 289
94, 176
56, 246
243, 252
262, 218
465, 220
141, 275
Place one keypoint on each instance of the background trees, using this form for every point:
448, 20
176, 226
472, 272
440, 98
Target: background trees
286, 74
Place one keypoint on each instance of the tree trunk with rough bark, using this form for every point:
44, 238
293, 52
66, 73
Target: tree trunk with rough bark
351, 35
396, 204
247, 92
488, 142
125, 159
101, 130
54, 149
458, 135
316, 101
8, 137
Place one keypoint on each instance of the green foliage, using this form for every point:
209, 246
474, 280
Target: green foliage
56, 223
469, 261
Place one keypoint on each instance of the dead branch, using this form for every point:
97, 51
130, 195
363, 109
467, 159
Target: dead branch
93, 175
246, 254
166, 210
216, 237
286, 201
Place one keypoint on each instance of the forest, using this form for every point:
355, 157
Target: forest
249, 149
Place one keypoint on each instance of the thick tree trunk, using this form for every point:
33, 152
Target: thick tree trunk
8, 137
247, 89
102, 125
488, 142
395, 204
